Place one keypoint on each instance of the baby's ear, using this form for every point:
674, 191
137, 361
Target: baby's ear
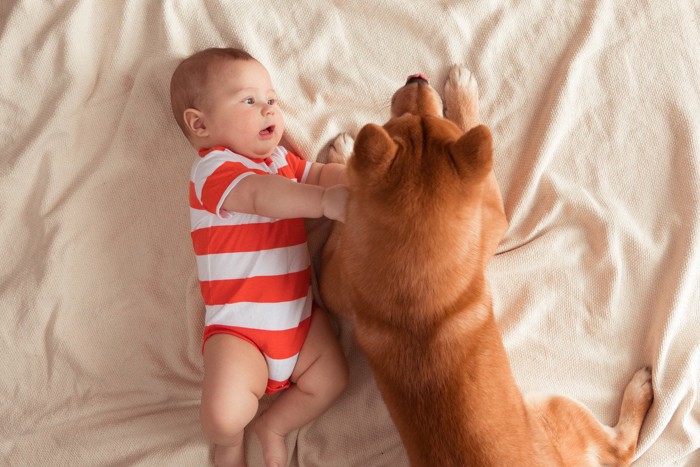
194, 122
473, 152
374, 150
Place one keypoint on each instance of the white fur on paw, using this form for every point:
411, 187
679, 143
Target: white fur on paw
461, 80
641, 384
341, 148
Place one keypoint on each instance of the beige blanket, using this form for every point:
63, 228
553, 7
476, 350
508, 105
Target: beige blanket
595, 111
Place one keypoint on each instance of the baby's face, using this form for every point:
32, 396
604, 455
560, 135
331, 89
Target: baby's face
240, 110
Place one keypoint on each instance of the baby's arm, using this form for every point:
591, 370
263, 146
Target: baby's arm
327, 175
280, 198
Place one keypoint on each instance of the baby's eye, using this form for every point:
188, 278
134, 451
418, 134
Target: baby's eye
271, 101
249, 100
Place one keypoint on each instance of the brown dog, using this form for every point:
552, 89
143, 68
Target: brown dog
424, 218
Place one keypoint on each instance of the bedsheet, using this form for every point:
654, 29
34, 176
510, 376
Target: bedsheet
595, 111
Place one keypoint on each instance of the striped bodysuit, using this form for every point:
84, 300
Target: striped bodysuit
254, 272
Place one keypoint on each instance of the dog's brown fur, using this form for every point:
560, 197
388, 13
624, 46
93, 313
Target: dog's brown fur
424, 218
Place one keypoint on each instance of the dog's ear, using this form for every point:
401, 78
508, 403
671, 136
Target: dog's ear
473, 152
374, 150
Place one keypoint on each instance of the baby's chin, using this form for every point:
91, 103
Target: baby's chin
274, 141
266, 152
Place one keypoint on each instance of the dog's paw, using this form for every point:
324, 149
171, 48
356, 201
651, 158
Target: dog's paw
340, 149
640, 386
461, 84
636, 402
462, 98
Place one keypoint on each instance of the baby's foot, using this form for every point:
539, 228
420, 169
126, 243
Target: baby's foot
229, 456
273, 445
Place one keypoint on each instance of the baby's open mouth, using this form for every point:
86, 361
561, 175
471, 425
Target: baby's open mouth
267, 131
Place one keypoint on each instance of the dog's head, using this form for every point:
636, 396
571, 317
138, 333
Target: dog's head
420, 172
425, 213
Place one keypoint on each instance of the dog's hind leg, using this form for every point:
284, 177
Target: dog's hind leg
621, 441
580, 439
635, 405
462, 98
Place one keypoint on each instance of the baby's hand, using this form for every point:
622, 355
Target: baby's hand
334, 201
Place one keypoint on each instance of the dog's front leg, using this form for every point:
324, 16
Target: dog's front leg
462, 98
331, 275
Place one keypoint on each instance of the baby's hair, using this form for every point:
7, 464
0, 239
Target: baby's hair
189, 79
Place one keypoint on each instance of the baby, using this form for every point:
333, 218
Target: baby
248, 197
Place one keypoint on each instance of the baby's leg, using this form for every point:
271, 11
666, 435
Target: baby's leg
320, 376
235, 376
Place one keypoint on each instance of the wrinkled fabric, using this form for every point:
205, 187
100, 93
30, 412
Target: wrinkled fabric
595, 113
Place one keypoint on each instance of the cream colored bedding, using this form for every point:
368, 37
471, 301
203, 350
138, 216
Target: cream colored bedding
595, 111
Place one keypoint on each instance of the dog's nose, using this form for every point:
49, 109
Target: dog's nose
419, 78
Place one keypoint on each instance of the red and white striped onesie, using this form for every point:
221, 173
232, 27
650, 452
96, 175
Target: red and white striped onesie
254, 271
